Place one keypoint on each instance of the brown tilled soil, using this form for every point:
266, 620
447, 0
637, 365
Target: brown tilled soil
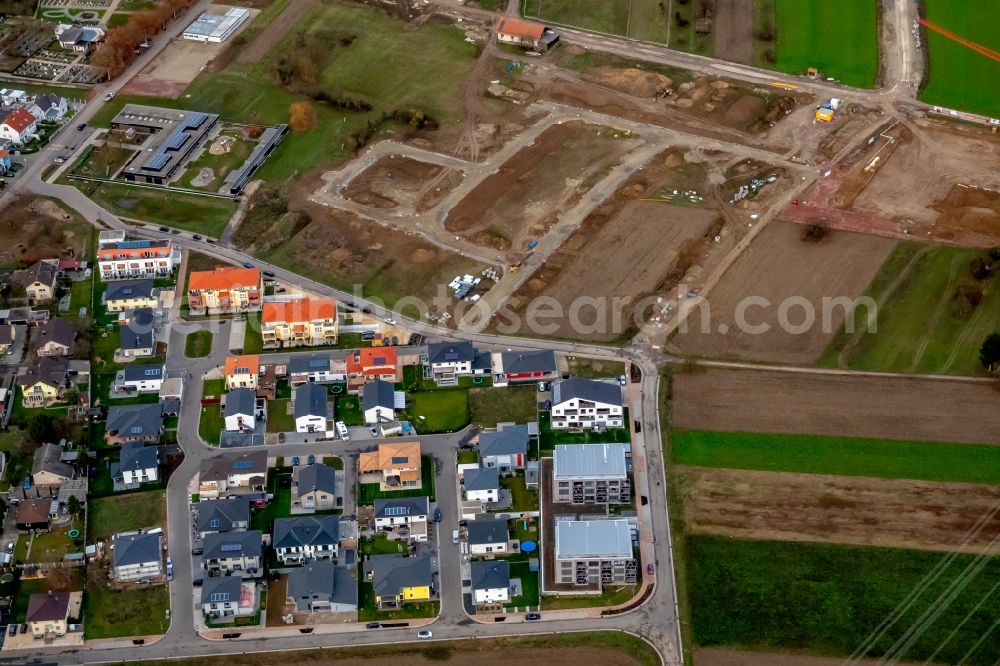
734, 30
528, 192
941, 181
631, 81
782, 268
723, 657
901, 407
263, 41
836, 509
401, 181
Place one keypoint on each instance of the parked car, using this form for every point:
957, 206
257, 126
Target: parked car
649, 569
437, 515
108, 96
197, 583
164, 229
374, 431
542, 387
13, 630
269, 273
81, 127
197, 551
170, 569
24, 628
60, 159
426, 633
342, 430
533, 616
247, 264
372, 625
454, 536
390, 321
196, 236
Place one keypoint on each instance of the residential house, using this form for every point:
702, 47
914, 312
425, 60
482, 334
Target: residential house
487, 537
120, 259
481, 484
516, 367
317, 368
527, 34
301, 322
490, 582
45, 383
393, 466
314, 487
370, 363
5, 161
146, 378
225, 476
19, 126
378, 402
229, 597
222, 515
322, 586
48, 106
585, 403
506, 449
594, 552
450, 360
591, 474
136, 334
403, 517
137, 464
310, 408
398, 580
137, 556
47, 467
134, 423
130, 295
306, 538
55, 338
241, 410
225, 289
8, 333
33, 514
39, 279
242, 371
12, 97
233, 552
48, 614
79, 38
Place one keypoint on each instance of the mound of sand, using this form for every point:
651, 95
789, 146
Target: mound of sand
636, 82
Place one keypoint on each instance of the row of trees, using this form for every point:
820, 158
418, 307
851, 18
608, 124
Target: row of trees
120, 46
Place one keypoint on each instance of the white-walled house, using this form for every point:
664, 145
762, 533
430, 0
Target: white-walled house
310, 408
585, 403
392, 515
241, 410
481, 484
487, 537
19, 126
378, 402
306, 538
490, 582
137, 556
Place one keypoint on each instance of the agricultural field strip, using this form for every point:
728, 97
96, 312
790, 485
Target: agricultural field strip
654, 135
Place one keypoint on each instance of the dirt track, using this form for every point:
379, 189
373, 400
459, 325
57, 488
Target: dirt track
852, 406
734, 30
267, 38
863, 511
779, 265
724, 657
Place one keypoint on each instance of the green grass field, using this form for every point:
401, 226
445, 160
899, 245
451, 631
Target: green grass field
838, 38
490, 406
112, 613
438, 411
847, 456
122, 513
278, 418
198, 344
827, 599
920, 328
960, 77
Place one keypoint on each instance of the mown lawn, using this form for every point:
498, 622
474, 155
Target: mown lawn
490, 406
111, 613
278, 418
198, 344
548, 438
347, 408
847, 456
438, 411
369, 492
921, 326
961, 78
612, 595
123, 513
522, 499
368, 610
212, 424
827, 599
838, 38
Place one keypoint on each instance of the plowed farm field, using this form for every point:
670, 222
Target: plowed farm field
907, 408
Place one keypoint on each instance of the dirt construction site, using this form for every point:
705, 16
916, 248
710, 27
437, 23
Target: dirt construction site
820, 404
922, 179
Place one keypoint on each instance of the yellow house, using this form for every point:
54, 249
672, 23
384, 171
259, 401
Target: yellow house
392, 466
301, 322
47, 614
130, 295
398, 580
43, 384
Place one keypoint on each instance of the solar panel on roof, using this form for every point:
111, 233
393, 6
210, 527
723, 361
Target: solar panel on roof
133, 244
231, 547
400, 460
156, 162
317, 362
135, 430
152, 372
195, 120
451, 356
242, 464
176, 140
219, 596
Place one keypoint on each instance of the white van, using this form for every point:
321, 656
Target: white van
454, 536
342, 430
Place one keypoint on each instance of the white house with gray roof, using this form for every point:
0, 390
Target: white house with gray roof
505, 449
403, 517
591, 474
321, 586
230, 597
378, 402
134, 423
481, 484
137, 556
307, 538
594, 552
586, 403
234, 553
317, 368
145, 378
314, 487
222, 515
487, 537
241, 410
137, 464
490, 582
311, 411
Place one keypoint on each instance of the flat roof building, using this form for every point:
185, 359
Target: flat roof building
172, 136
216, 28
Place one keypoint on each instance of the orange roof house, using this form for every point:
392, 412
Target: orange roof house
225, 289
304, 321
372, 362
20, 119
224, 277
299, 310
242, 371
523, 30
392, 466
